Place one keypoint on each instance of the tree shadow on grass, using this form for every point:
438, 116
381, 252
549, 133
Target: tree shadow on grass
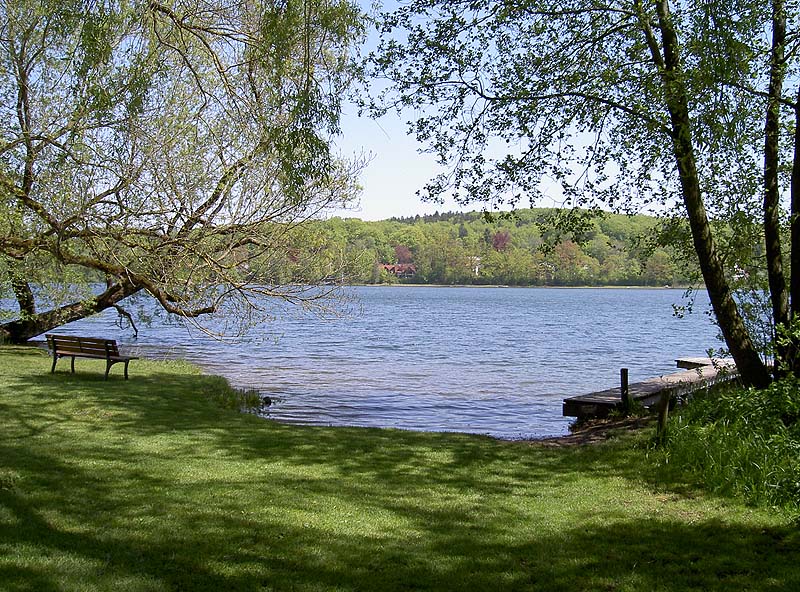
448, 511
450, 551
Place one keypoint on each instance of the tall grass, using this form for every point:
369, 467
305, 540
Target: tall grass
742, 442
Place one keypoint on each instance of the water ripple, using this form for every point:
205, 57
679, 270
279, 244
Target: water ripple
488, 361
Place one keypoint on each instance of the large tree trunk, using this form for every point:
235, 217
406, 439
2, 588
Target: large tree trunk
751, 368
772, 235
29, 326
795, 215
792, 359
22, 290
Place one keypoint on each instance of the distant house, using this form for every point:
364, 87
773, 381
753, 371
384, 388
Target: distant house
402, 271
475, 265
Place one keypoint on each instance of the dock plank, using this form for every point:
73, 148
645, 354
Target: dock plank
698, 373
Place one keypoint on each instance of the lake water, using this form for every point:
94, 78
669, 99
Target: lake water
494, 361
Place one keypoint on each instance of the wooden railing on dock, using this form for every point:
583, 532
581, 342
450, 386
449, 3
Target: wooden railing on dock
698, 373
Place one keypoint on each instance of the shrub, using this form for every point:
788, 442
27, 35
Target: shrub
741, 442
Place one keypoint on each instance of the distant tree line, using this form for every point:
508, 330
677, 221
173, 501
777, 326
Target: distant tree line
520, 249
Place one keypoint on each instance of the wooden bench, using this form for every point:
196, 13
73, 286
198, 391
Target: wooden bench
63, 346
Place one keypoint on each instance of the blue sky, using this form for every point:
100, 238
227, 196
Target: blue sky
396, 170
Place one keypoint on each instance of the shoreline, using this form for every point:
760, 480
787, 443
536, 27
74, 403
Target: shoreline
595, 431
590, 432
587, 287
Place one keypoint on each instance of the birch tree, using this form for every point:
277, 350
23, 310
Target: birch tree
672, 106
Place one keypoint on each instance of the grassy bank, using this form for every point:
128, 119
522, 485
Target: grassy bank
741, 442
149, 485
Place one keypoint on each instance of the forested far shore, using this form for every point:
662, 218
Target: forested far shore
523, 248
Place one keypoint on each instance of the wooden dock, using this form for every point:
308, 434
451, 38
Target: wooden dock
697, 373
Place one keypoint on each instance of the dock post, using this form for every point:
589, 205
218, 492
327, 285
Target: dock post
623, 389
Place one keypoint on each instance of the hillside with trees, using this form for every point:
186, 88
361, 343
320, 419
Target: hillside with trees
519, 249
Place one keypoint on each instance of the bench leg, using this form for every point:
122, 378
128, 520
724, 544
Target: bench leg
108, 367
53, 368
126, 369
72, 365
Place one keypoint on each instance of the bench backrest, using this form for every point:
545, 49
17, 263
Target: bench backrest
82, 345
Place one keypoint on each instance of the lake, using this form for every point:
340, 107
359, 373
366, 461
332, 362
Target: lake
494, 361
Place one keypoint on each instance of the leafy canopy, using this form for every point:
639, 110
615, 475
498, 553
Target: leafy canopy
564, 99
169, 146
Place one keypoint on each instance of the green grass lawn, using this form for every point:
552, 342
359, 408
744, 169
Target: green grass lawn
148, 484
